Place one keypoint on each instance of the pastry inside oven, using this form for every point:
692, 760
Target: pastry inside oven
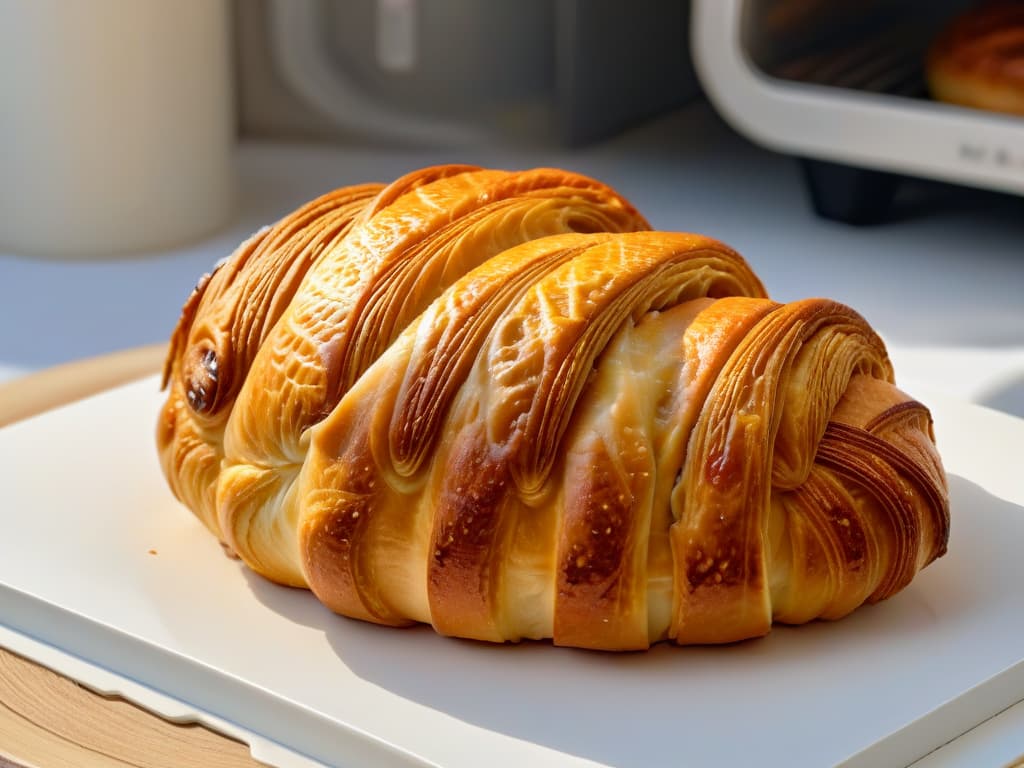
978, 59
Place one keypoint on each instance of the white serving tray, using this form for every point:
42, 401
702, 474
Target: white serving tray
82, 502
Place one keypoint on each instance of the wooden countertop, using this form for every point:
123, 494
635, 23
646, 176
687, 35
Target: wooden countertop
48, 720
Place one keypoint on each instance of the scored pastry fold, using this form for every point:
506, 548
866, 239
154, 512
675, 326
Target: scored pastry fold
498, 404
223, 325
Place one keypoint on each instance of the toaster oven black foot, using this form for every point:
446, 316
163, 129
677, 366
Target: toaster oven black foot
847, 194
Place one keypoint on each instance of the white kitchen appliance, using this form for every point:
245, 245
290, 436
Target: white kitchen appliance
841, 84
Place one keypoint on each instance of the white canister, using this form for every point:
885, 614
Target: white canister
117, 125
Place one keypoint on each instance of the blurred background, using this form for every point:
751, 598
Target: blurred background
141, 141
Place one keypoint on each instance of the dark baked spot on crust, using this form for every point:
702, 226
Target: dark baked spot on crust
724, 468
724, 560
598, 535
203, 376
469, 500
849, 535
470, 518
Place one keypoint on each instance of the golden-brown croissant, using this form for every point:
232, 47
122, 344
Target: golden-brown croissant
495, 402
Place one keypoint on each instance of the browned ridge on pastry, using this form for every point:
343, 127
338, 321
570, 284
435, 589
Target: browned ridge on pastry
497, 403
978, 59
222, 326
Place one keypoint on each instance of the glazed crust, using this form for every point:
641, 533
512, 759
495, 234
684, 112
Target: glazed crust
222, 326
978, 59
499, 405
235, 460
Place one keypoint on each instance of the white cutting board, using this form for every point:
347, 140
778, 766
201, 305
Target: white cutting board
82, 502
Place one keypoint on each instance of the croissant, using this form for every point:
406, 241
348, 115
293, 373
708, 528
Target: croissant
496, 402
